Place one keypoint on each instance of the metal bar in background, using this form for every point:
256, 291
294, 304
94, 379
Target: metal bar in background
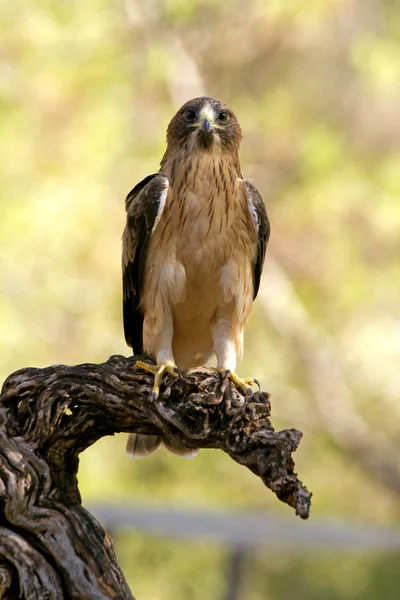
247, 529
236, 560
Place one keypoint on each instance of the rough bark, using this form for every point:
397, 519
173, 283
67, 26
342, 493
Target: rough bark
50, 546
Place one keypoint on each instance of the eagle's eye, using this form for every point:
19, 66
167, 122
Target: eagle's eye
189, 115
224, 116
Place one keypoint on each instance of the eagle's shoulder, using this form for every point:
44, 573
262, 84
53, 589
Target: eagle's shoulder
145, 198
259, 216
144, 205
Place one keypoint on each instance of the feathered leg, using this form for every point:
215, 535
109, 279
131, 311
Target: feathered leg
227, 346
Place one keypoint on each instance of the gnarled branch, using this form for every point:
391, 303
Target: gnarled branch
48, 416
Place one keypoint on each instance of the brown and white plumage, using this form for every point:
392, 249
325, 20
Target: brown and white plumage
193, 249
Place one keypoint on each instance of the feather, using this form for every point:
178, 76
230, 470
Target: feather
144, 206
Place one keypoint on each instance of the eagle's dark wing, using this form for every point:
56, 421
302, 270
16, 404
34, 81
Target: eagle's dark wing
260, 217
144, 205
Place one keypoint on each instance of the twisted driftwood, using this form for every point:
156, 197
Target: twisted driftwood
50, 547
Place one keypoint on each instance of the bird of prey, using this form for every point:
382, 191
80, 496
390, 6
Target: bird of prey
193, 251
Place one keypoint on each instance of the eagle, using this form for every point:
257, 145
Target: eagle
193, 250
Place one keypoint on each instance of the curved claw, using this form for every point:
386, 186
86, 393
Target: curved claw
178, 372
244, 384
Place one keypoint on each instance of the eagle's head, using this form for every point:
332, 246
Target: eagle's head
205, 123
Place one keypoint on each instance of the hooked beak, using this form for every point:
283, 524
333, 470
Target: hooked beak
206, 120
206, 125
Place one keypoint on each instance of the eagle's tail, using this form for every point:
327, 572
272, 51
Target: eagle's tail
140, 446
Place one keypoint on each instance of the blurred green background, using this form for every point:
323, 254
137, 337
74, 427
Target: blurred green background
86, 92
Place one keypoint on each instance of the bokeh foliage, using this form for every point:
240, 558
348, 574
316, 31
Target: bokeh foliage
86, 92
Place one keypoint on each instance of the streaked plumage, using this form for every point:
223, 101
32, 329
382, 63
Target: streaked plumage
193, 247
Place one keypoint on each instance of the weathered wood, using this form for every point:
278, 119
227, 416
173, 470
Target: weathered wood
50, 546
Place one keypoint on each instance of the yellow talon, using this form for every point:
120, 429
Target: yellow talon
158, 371
244, 384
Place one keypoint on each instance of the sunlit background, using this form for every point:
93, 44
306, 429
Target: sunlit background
86, 92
